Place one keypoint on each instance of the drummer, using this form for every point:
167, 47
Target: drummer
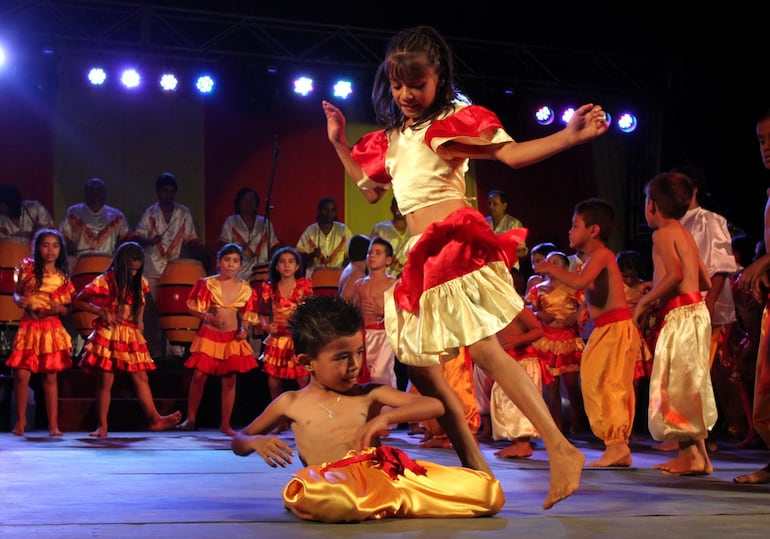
21, 218
324, 243
164, 229
92, 225
252, 232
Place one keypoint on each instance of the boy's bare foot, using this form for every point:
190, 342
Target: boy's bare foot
18, 430
187, 425
415, 428
166, 422
227, 429
668, 445
519, 449
758, 477
614, 455
99, 433
441, 442
55, 432
689, 461
566, 468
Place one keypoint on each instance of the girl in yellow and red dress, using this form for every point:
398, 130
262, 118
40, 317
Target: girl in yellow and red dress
42, 345
228, 307
117, 298
556, 307
279, 297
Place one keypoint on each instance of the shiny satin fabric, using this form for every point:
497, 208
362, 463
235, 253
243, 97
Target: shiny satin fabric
682, 405
363, 490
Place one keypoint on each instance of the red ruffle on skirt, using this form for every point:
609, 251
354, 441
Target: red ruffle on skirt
279, 359
219, 353
117, 348
41, 346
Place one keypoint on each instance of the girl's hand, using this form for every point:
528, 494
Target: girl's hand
335, 123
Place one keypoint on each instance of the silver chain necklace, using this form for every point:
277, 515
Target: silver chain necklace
330, 411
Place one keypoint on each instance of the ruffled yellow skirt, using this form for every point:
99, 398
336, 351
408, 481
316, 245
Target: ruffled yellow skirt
41, 346
121, 347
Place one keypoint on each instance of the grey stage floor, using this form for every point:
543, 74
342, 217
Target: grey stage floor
190, 485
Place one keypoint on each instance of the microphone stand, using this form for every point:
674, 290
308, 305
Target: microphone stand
268, 206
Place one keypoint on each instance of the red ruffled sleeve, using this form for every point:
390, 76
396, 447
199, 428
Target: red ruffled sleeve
473, 124
99, 291
252, 304
369, 152
199, 299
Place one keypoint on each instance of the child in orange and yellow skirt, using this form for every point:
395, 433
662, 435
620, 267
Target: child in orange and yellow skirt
228, 307
556, 307
117, 343
279, 297
42, 345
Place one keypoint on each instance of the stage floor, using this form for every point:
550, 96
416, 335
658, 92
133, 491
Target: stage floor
190, 485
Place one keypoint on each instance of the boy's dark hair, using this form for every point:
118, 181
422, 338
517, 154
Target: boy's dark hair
597, 211
321, 319
228, 249
62, 264
671, 192
129, 286
543, 248
630, 260
272, 269
357, 247
744, 247
166, 179
377, 240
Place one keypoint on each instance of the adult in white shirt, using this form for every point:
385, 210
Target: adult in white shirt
502, 221
21, 218
325, 242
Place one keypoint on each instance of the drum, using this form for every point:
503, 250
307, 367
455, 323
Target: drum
326, 281
259, 274
89, 265
12, 251
175, 285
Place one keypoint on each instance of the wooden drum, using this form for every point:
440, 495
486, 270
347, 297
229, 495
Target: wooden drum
326, 281
12, 251
89, 265
259, 274
175, 286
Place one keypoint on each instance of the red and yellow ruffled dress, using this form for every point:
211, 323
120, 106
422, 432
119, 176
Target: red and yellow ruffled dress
384, 482
218, 352
560, 348
278, 357
42, 345
456, 287
118, 347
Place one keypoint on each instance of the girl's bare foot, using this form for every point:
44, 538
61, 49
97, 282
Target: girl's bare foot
614, 455
758, 477
227, 429
55, 432
566, 468
18, 430
519, 449
166, 422
101, 432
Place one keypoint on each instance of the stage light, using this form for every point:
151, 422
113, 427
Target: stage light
627, 122
567, 114
169, 82
205, 84
131, 78
303, 86
545, 115
97, 76
608, 117
343, 88
2, 56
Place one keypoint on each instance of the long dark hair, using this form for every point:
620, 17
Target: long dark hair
61, 261
129, 286
405, 60
275, 275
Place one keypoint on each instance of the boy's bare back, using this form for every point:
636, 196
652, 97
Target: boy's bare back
369, 295
678, 267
